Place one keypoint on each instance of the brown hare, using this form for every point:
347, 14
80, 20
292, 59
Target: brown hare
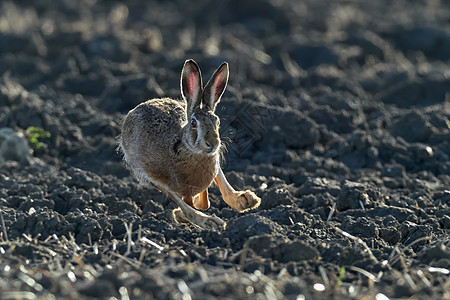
175, 147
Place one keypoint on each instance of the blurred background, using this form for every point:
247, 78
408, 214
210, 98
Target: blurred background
302, 72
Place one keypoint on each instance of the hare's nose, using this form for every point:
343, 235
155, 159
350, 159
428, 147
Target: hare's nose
210, 146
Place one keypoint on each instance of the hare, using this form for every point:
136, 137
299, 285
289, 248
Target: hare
175, 147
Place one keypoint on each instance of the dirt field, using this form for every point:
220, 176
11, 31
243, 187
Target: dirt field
337, 115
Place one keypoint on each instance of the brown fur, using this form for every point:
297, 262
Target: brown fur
184, 172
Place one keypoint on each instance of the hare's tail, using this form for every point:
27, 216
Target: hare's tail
119, 148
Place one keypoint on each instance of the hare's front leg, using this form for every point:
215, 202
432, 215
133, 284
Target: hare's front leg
239, 200
186, 214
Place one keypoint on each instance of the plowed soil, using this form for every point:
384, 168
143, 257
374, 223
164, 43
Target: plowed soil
336, 115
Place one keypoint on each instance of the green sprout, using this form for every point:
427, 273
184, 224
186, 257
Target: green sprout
34, 134
341, 276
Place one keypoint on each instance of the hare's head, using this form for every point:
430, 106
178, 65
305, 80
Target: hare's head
201, 133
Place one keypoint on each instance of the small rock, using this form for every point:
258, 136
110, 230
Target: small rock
13, 145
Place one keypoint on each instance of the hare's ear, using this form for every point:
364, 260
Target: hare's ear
191, 84
215, 87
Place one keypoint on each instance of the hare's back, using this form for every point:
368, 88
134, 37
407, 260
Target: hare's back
162, 115
153, 125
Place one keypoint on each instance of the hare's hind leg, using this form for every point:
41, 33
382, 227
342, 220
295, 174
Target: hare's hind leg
201, 200
239, 200
187, 214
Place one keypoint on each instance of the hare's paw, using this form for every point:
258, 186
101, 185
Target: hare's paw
198, 219
246, 200
207, 222
179, 217
213, 222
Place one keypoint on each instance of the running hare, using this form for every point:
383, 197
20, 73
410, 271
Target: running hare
175, 147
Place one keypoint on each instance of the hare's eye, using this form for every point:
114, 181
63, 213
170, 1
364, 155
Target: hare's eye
194, 123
